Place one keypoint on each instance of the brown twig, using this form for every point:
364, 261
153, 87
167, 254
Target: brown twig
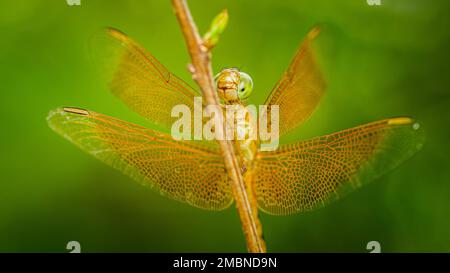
202, 74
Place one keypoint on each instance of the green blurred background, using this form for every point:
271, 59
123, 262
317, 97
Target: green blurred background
381, 61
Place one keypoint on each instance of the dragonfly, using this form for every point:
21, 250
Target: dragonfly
295, 178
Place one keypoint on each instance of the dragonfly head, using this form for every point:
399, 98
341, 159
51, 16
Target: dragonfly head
233, 86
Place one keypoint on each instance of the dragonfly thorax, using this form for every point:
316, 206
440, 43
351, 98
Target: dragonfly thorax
233, 86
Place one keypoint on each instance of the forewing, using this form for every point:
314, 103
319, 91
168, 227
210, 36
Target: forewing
137, 78
299, 177
300, 88
187, 171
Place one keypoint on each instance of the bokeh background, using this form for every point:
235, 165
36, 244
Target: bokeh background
380, 61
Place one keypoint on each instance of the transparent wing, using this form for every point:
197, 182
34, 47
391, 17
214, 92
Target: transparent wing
138, 79
187, 171
301, 176
300, 89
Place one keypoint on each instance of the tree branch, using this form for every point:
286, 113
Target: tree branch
202, 74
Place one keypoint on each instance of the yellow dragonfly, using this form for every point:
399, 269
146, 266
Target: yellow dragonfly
295, 178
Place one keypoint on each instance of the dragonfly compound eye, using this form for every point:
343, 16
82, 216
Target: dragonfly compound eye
245, 87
